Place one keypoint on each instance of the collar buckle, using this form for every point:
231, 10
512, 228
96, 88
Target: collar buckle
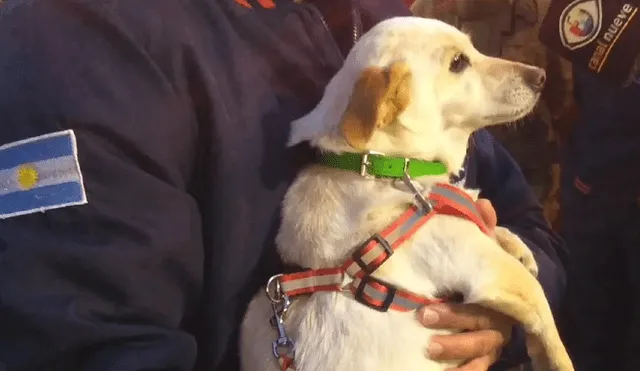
364, 164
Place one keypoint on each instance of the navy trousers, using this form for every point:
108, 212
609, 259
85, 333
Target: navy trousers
602, 307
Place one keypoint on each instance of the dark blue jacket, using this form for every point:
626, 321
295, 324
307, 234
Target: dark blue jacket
601, 159
181, 111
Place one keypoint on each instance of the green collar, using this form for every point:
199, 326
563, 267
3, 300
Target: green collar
371, 164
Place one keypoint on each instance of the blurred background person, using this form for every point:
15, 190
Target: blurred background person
601, 180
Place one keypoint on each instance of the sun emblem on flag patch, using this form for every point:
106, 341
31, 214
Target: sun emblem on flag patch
39, 174
27, 176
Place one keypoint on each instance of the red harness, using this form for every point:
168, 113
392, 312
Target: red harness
445, 199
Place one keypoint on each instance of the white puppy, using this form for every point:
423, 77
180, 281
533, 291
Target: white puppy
414, 90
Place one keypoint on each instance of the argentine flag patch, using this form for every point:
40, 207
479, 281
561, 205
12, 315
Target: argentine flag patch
39, 174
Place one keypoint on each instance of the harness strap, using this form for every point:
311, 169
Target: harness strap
379, 247
366, 289
445, 199
381, 296
310, 281
451, 200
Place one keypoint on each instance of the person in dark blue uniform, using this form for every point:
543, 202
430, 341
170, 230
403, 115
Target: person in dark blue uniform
142, 165
600, 187
601, 225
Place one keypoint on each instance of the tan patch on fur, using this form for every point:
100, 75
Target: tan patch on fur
379, 96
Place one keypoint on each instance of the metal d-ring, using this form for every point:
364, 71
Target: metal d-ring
273, 289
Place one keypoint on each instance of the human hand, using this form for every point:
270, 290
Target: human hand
488, 214
486, 332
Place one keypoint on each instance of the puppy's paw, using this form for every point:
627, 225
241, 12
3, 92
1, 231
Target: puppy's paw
513, 245
563, 365
556, 360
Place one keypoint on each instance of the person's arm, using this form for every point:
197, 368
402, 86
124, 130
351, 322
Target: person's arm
609, 46
105, 285
502, 183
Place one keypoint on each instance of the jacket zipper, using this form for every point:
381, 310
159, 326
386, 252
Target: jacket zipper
356, 22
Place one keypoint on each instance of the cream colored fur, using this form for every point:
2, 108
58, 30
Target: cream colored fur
327, 213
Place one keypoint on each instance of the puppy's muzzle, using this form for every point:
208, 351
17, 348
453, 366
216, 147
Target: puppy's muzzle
535, 78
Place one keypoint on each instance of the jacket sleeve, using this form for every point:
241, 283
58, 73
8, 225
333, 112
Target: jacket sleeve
104, 285
502, 182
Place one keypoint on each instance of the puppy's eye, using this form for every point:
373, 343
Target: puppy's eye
459, 63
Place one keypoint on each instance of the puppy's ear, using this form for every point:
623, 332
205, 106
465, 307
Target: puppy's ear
379, 96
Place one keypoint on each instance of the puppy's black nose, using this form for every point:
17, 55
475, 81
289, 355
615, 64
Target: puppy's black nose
535, 78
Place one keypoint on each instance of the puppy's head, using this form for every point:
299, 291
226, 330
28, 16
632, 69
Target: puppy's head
417, 87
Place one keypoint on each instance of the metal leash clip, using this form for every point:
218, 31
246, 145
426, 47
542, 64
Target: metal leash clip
406, 179
280, 303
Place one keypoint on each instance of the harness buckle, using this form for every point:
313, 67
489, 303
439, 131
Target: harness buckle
388, 299
357, 256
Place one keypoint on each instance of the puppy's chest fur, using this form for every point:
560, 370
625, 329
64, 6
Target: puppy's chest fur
326, 215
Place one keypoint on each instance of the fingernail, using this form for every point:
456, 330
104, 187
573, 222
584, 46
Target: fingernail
435, 349
429, 316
